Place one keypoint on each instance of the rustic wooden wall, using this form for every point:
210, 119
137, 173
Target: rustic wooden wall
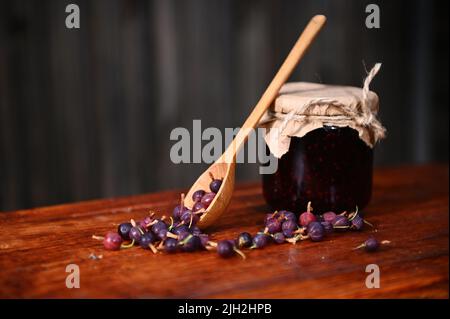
87, 113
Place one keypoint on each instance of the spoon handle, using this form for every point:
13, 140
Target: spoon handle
304, 41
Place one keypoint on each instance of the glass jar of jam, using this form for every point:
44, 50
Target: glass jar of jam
323, 137
329, 166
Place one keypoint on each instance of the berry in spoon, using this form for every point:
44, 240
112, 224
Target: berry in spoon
215, 184
207, 199
197, 196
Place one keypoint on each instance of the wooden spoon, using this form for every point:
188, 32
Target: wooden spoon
224, 167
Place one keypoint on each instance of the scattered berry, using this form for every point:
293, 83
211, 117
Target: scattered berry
146, 240
307, 217
327, 227
191, 243
112, 241
260, 240
170, 245
136, 234
225, 249
124, 230
315, 231
341, 222
244, 240
279, 238
357, 223
329, 217
287, 215
273, 226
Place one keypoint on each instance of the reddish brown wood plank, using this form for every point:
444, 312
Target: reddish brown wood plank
409, 208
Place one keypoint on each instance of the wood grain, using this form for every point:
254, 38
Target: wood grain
409, 208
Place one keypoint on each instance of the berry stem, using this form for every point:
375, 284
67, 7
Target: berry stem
184, 241
309, 207
360, 246
153, 248
240, 253
97, 237
182, 201
370, 224
353, 214
211, 176
171, 235
129, 245
212, 243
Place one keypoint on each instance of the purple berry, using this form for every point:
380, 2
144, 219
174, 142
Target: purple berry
147, 239
135, 234
194, 230
273, 225
267, 218
244, 240
306, 218
112, 241
197, 196
329, 217
162, 233
288, 233
288, 215
341, 222
289, 225
357, 223
207, 199
170, 245
158, 226
198, 206
189, 218
371, 244
225, 248
260, 240
315, 231
124, 230
181, 229
214, 186
327, 227
182, 236
177, 211
145, 223
191, 244
279, 238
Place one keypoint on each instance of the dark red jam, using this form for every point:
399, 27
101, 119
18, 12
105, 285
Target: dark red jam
330, 166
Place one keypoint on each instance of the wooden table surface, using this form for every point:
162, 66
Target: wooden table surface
410, 208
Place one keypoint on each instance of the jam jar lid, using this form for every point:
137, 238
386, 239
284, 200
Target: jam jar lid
303, 106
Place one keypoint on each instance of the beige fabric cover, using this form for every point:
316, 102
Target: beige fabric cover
302, 107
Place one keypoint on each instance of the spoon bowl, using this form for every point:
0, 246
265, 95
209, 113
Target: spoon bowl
220, 170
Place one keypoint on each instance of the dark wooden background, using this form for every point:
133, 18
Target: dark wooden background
87, 113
